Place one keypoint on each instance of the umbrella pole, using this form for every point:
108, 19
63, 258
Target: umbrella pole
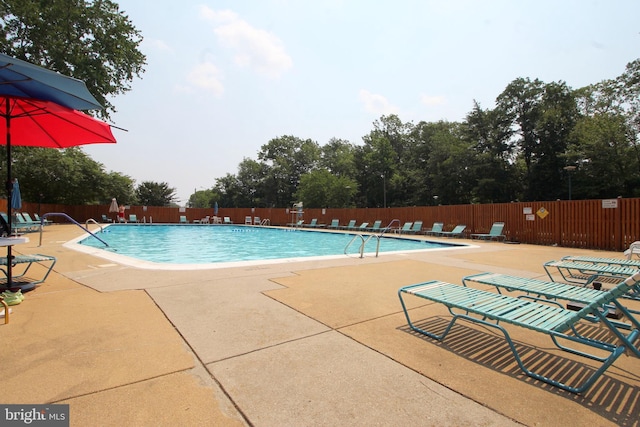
9, 190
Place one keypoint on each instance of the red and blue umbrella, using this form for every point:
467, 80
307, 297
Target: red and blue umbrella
40, 109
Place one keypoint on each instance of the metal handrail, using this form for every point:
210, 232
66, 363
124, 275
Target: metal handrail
62, 214
265, 221
363, 244
388, 227
86, 224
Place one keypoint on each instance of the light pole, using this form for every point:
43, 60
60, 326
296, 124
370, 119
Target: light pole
384, 191
569, 169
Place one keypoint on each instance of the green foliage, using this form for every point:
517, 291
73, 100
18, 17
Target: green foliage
90, 40
65, 176
320, 188
155, 194
203, 199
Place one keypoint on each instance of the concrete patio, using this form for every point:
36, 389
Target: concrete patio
313, 343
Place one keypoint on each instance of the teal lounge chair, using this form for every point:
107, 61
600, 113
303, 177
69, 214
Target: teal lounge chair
435, 230
314, 224
456, 232
552, 290
415, 228
350, 226
227, 220
494, 233
183, 219
20, 277
335, 224
376, 226
30, 220
47, 222
585, 273
494, 310
25, 224
133, 218
363, 226
607, 261
406, 228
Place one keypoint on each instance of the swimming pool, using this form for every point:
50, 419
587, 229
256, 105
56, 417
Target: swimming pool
192, 245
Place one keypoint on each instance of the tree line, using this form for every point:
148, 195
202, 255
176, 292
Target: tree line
536, 140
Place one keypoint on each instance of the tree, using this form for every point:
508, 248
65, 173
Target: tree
119, 186
286, 159
203, 199
155, 194
90, 40
320, 188
62, 176
489, 132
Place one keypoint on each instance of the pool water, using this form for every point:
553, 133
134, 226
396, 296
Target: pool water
198, 244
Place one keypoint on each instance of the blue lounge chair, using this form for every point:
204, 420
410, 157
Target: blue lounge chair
350, 226
47, 222
415, 228
363, 226
183, 219
376, 226
496, 310
458, 231
314, 224
20, 277
133, 218
227, 220
435, 230
29, 220
21, 224
601, 260
335, 224
551, 290
494, 233
585, 273
405, 228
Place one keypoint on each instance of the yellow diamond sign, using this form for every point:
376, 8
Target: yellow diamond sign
542, 213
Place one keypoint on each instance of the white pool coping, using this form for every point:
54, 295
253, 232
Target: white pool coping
150, 265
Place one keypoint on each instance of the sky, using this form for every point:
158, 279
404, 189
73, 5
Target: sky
223, 78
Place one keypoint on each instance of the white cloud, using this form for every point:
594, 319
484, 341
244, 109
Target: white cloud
254, 48
158, 45
377, 104
206, 76
432, 100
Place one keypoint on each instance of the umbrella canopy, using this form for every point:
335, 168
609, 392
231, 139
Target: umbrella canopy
25, 80
114, 205
16, 199
39, 108
36, 123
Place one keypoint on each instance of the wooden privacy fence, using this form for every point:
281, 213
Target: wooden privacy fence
594, 224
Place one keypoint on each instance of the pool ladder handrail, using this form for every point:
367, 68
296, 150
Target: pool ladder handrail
265, 221
369, 237
389, 226
86, 224
62, 214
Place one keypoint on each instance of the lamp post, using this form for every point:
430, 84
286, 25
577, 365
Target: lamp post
384, 191
569, 169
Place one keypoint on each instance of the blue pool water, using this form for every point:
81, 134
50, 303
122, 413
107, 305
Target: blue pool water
197, 244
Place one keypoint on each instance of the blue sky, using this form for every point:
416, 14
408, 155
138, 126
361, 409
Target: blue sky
225, 77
